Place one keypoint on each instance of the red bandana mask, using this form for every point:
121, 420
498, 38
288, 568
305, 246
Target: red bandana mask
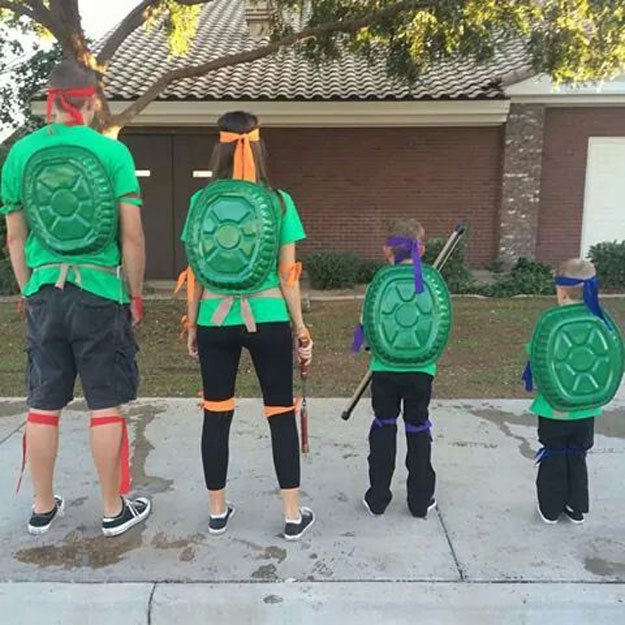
60, 97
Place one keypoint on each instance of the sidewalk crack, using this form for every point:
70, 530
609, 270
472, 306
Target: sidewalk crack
8, 436
452, 549
150, 601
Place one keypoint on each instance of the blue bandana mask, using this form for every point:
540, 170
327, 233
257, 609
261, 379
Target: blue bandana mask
591, 294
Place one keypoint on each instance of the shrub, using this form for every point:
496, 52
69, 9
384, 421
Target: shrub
367, 268
332, 270
459, 279
527, 278
609, 259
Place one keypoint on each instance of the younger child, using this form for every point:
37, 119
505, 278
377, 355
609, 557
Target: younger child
562, 481
398, 388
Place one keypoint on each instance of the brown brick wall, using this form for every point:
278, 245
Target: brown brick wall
567, 131
348, 183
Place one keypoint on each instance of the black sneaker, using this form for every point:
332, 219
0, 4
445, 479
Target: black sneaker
369, 510
40, 523
219, 524
134, 512
546, 519
574, 516
423, 515
294, 530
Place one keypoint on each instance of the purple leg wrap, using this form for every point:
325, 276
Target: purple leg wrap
382, 422
418, 429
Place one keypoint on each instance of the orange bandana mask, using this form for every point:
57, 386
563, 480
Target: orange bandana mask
244, 167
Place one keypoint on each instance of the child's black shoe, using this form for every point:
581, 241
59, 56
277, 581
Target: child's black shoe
549, 520
574, 516
420, 513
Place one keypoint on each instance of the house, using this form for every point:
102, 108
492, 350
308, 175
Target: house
534, 170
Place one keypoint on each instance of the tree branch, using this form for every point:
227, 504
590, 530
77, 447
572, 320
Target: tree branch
136, 18
18, 9
351, 25
38, 12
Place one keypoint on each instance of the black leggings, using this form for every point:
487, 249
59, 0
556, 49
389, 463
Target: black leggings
271, 349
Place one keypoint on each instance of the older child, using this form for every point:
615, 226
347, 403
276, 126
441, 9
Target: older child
567, 434
398, 331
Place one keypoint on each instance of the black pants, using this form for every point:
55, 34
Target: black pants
562, 474
271, 349
389, 391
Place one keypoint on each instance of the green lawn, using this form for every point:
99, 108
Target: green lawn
484, 359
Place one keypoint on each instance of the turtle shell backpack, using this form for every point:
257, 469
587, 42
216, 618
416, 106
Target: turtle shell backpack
577, 358
233, 236
406, 326
69, 200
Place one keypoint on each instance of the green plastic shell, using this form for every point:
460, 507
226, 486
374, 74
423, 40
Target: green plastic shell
69, 200
233, 236
404, 328
577, 361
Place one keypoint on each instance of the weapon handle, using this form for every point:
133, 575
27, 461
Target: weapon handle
360, 391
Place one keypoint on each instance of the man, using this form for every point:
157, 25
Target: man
73, 211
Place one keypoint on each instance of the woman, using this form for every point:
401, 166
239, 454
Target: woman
233, 304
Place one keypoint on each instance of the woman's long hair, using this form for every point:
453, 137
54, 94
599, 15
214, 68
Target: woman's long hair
222, 160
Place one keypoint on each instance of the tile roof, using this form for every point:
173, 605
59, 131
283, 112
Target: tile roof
144, 57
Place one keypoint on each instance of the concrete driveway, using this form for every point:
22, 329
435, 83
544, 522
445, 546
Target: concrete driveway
482, 558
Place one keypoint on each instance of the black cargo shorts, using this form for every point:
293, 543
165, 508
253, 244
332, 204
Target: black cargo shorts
72, 332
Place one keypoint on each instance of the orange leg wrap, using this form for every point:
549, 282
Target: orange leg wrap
273, 411
219, 406
39, 419
125, 482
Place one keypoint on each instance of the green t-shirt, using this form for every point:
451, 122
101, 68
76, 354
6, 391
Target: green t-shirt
117, 162
377, 365
264, 309
541, 407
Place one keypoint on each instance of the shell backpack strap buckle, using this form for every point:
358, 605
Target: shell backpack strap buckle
248, 315
220, 314
63, 273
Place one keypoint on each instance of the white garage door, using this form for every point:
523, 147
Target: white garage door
604, 206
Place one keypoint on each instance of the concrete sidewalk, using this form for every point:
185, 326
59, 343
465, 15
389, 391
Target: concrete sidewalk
483, 557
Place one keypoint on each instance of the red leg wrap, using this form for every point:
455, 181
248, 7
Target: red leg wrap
125, 482
39, 419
